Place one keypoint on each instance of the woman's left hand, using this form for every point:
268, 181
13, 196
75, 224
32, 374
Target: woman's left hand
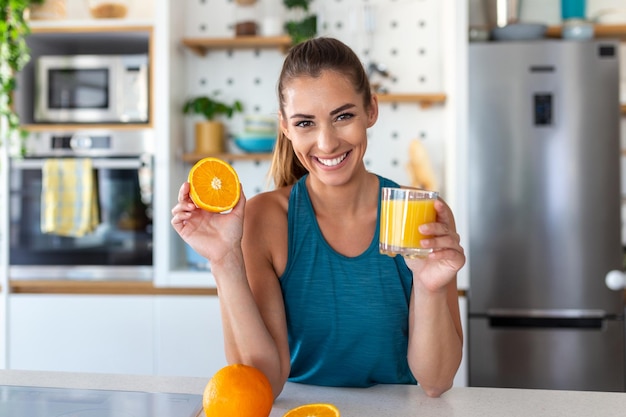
439, 267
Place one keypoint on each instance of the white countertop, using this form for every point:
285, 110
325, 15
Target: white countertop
378, 401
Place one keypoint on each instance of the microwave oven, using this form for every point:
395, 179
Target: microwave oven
91, 89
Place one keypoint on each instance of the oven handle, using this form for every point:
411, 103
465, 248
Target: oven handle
122, 163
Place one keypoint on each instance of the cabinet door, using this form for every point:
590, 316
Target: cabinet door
81, 333
3, 327
190, 340
460, 380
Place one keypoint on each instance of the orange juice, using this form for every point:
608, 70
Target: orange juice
402, 211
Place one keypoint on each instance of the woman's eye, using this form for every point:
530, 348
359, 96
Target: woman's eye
304, 123
345, 116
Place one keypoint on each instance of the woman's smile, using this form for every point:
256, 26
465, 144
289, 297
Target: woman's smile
333, 162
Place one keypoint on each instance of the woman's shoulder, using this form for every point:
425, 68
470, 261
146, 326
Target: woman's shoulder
269, 205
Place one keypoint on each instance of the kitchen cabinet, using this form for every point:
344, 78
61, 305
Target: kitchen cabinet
189, 337
133, 334
3, 329
461, 378
81, 333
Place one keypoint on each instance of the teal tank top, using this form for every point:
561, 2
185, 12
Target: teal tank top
347, 317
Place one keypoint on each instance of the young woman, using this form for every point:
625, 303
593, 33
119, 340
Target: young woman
304, 293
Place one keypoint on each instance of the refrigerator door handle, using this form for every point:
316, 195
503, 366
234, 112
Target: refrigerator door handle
547, 319
546, 313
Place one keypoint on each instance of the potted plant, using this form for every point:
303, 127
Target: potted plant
305, 26
209, 134
14, 55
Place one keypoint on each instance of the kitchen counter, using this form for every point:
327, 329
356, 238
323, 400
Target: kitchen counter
378, 401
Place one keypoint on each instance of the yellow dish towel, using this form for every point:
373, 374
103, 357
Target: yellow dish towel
69, 199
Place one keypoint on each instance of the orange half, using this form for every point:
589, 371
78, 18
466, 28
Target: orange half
214, 185
314, 410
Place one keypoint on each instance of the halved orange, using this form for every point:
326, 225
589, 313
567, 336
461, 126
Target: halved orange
314, 410
214, 185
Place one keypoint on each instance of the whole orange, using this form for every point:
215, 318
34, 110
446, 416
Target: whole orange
238, 390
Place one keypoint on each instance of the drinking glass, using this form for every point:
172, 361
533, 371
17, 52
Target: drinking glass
402, 211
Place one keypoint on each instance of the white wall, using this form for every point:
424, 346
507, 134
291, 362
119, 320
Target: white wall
405, 38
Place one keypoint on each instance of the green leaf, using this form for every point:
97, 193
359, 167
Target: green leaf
292, 4
210, 107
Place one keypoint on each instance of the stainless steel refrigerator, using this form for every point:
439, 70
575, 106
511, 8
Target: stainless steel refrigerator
545, 227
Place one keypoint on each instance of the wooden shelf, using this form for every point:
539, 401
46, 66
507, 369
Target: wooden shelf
600, 31
90, 25
424, 100
195, 157
201, 46
48, 127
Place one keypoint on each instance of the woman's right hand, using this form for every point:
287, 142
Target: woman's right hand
211, 235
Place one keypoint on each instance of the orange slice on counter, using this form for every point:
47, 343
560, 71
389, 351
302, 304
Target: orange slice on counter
214, 185
314, 410
238, 390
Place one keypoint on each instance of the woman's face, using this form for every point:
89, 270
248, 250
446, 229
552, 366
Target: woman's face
326, 122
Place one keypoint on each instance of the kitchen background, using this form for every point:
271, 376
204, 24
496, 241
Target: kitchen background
423, 46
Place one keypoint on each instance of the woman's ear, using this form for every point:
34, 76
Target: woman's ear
372, 112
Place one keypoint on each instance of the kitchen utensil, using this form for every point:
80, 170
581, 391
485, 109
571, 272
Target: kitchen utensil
500, 13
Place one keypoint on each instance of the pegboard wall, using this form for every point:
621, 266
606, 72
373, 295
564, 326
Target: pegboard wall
401, 36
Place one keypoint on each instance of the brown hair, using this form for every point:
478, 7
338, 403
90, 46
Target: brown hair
309, 59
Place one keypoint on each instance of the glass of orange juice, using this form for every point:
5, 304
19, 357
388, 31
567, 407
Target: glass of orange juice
402, 211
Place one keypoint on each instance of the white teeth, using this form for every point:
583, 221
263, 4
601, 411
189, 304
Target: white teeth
333, 162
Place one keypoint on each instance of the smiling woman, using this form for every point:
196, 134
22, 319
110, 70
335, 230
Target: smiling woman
298, 268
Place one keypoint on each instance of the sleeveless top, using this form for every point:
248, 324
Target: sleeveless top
347, 317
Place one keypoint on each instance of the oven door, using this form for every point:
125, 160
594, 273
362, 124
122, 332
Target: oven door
119, 248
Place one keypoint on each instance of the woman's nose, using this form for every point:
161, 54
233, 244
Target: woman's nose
327, 140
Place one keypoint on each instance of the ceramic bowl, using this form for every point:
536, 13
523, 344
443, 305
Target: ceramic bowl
255, 143
519, 32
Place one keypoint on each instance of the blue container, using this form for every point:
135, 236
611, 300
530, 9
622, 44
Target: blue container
573, 9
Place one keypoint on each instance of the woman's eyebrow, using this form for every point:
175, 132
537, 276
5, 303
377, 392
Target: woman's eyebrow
342, 108
332, 113
301, 116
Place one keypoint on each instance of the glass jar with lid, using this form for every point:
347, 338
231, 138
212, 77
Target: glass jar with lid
246, 18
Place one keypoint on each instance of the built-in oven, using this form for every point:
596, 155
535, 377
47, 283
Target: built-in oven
119, 246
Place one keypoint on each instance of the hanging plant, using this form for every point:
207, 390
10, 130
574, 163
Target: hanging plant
306, 27
14, 55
